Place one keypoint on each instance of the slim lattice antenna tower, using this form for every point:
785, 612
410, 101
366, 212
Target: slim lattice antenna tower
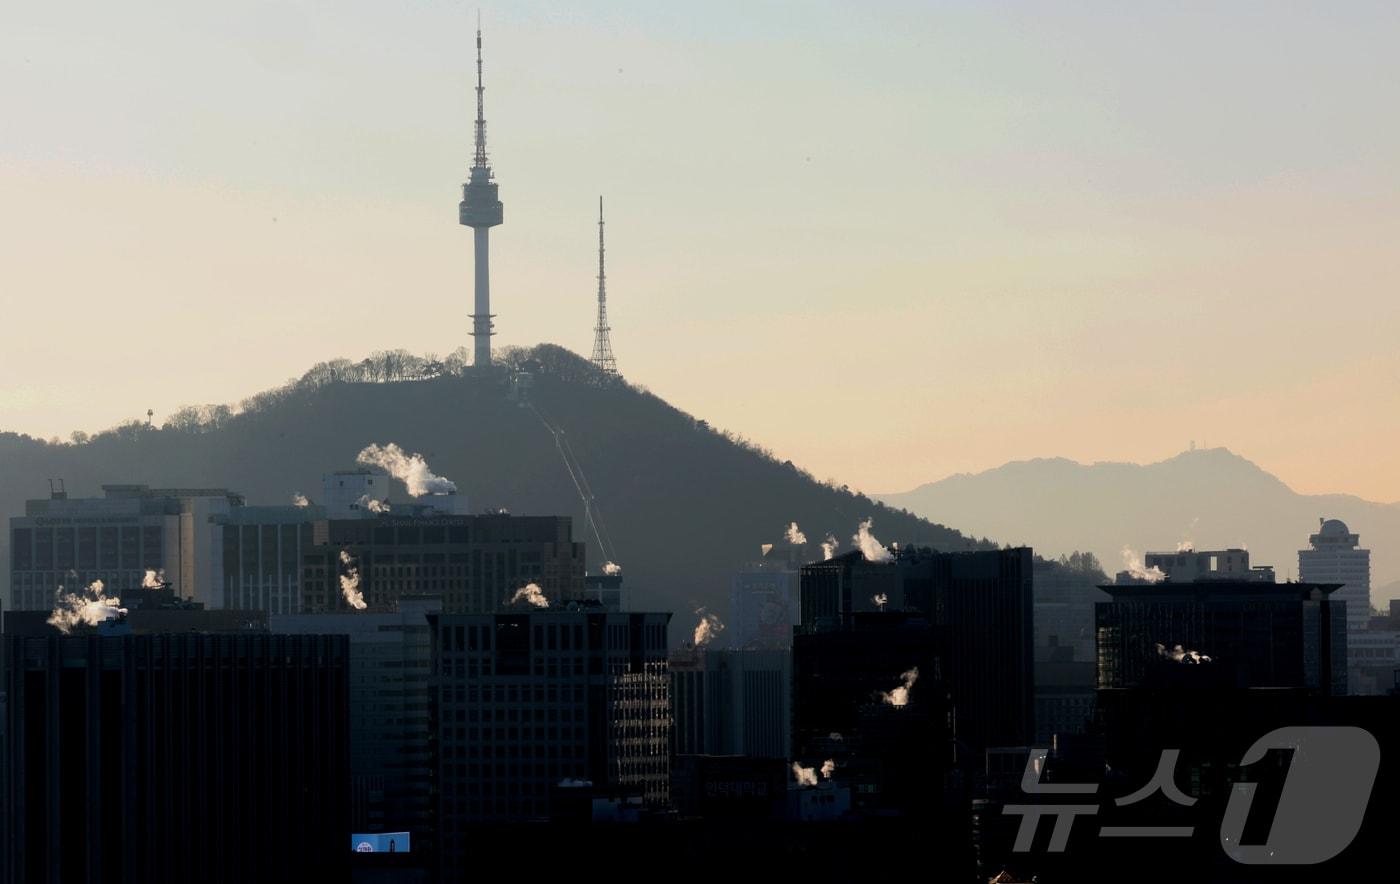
602, 342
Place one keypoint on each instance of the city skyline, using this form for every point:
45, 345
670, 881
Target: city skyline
1063, 237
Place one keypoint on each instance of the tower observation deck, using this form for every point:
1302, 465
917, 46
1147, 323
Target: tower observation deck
481, 210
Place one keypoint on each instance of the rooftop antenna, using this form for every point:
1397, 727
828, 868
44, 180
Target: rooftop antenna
602, 340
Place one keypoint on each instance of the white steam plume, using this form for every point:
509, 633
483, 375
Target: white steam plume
1133, 564
411, 469
350, 583
154, 579
794, 535
709, 626
900, 695
806, 776
374, 506
612, 569
765, 548
90, 607
1178, 654
1185, 546
880, 600
299, 499
870, 547
828, 768
531, 593
829, 546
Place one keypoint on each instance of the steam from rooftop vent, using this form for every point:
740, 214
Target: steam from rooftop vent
870, 547
612, 569
411, 469
709, 626
299, 499
805, 776
1132, 563
154, 579
829, 546
765, 548
880, 600
90, 607
1185, 546
900, 695
1178, 654
531, 594
378, 507
828, 768
350, 582
794, 535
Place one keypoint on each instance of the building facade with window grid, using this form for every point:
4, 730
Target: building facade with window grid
523, 701
474, 563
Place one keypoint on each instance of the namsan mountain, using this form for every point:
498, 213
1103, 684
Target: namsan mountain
685, 505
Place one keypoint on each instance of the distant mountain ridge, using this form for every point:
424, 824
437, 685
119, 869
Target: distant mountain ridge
1208, 497
684, 504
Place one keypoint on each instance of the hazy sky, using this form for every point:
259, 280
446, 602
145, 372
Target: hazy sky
889, 241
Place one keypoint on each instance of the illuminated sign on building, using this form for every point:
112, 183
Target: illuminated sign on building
380, 842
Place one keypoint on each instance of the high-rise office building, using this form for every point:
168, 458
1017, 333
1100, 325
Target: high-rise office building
868, 693
257, 552
731, 702
525, 701
71, 542
847, 584
475, 563
1063, 607
765, 602
1065, 593
177, 757
1241, 633
1335, 556
981, 603
391, 763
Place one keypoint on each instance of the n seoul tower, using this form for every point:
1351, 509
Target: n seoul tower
481, 210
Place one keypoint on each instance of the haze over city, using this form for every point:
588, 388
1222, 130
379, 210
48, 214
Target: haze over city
998, 233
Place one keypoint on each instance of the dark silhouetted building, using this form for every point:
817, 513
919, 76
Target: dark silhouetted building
1065, 593
524, 701
868, 694
176, 757
980, 603
1256, 635
729, 787
1064, 699
391, 761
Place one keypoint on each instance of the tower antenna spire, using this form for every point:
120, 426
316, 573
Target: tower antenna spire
480, 160
602, 340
